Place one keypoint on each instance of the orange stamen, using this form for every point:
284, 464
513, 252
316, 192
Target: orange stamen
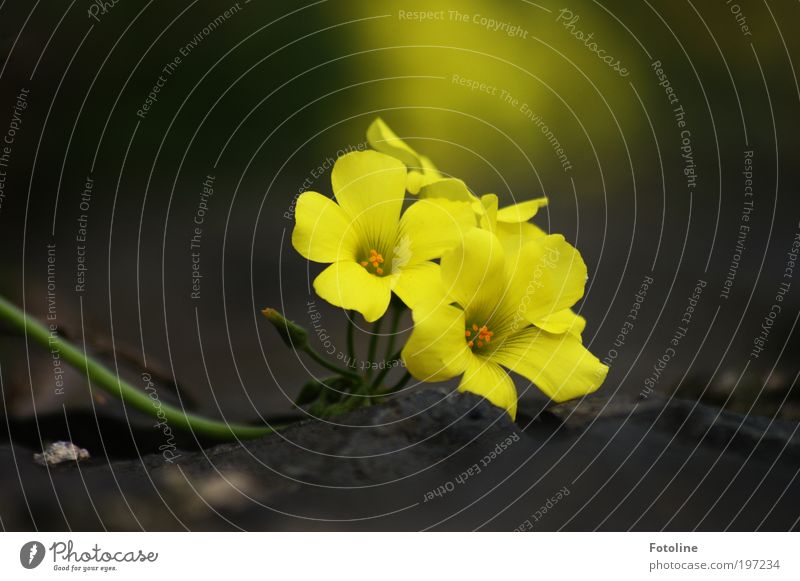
483, 336
375, 259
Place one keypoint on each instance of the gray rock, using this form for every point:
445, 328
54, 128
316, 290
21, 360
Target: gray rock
432, 459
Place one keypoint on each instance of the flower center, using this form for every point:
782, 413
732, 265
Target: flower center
374, 261
478, 336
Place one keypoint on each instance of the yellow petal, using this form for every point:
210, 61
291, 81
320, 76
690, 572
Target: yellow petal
521, 212
473, 272
415, 182
421, 169
381, 138
487, 379
566, 321
488, 212
548, 276
429, 170
323, 232
370, 188
348, 285
433, 226
436, 349
449, 189
420, 283
514, 236
559, 365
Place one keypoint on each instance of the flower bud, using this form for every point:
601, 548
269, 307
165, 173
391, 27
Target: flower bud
292, 334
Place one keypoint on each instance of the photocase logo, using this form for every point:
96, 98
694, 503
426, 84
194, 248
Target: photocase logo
31, 554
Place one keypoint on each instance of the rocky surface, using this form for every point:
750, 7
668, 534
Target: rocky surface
425, 460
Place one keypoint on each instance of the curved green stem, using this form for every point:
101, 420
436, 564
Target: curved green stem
328, 365
114, 385
351, 343
373, 346
396, 313
384, 371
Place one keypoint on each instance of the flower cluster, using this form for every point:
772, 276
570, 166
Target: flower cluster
489, 292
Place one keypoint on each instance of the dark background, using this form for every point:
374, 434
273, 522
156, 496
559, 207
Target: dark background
278, 88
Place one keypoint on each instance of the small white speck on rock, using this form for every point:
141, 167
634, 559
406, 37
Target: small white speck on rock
59, 452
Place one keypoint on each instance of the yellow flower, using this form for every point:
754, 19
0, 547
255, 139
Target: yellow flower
510, 224
512, 228
448, 189
486, 323
371, 248
421, 170
423, 177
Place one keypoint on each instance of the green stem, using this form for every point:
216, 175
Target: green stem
384, 371
396, 313
373, 346
351, 343
111, 383
328, 365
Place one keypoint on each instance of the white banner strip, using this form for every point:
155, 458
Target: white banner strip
399, 556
